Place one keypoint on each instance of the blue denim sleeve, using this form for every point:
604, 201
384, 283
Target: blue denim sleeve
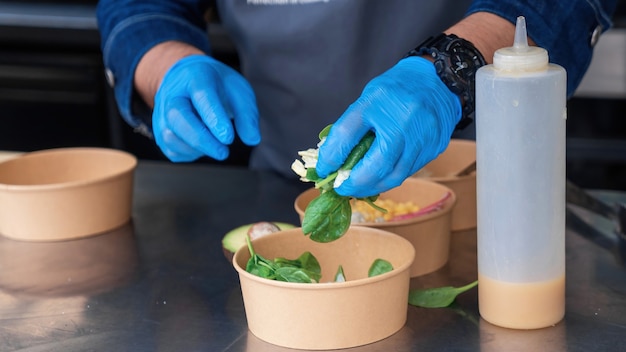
564, 28
128, 29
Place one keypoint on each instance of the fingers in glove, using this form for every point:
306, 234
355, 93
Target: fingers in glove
344, 135
382, 168
174, 148
179, 125
210, 105
242, 104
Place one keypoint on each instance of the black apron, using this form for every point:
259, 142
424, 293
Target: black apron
307, 60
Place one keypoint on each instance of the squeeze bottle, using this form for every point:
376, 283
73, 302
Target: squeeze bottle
520, 182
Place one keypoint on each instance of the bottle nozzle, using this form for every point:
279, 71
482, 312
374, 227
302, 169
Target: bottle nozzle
520, 56
521, 39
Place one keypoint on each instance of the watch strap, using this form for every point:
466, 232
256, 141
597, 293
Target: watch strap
456, 61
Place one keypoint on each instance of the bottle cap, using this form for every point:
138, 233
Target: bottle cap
520, 57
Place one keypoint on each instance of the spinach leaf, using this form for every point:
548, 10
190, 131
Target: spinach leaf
306, 262
340, 276
438, 297
355, 155
359, 151
327, 217
260, 268
378, 267
258, 265
304, 269
324, 132
295, 274
311, 174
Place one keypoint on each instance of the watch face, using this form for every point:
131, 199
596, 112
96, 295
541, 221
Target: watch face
463, 62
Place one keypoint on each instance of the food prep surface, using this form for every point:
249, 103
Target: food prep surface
163, 283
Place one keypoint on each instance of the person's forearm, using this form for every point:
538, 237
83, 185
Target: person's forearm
488, 33
155, 63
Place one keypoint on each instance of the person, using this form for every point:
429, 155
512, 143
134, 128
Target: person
309, 63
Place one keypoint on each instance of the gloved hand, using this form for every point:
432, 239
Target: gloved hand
194, 106
413, 115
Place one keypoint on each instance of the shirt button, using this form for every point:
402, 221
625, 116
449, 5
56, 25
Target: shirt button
595, 35
110, 77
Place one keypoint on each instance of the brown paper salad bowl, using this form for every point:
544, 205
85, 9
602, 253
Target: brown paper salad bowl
328, 314
458, 155
65, 193
428, 228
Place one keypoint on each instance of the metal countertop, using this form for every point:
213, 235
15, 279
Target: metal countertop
162, 283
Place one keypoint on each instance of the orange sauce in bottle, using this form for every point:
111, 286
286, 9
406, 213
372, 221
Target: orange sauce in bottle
514, 305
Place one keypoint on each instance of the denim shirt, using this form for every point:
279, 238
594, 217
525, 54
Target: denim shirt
307, 60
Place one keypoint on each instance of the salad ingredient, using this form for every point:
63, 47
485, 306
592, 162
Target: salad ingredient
259, 229
378, 267
304, 269
328, 216
236, 238
438, 297
340, 276
438, 205
364, 212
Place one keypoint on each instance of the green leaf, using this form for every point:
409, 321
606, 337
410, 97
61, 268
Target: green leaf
257, 265
295, 274
378, 267
327, 217
340, 276
261, 267
324, 132
311, 174
438, 297
326, 184
359, 151
370, 201
352, 159
370, 198
310, 263
250, 247
306, 268
305, 261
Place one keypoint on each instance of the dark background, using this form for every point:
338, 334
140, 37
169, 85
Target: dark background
53, 94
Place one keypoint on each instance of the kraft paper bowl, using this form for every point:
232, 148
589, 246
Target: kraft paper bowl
459, 154
329, 315
429, 233
65, 193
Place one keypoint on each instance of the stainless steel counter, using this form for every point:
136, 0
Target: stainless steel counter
161, 283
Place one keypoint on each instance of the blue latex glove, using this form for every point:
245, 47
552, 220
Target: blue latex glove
195, 107
413, 115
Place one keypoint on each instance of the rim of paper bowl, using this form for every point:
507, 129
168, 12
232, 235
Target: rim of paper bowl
451, 178
325, 285
448, 206
132, 164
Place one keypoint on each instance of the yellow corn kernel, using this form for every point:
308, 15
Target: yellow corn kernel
393, 208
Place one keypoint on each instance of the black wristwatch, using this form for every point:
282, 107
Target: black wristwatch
456, 62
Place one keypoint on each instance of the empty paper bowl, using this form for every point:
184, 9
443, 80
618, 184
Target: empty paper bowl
429, 233
458, 155
329, 315
65, 193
